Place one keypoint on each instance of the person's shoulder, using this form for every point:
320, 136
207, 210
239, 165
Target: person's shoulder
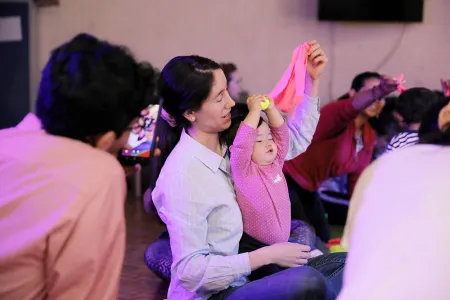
59, 158
179, 161
412, 158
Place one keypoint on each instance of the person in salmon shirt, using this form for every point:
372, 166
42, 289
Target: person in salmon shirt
342, 145
62, 191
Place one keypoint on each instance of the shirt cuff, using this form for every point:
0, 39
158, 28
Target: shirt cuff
241, 265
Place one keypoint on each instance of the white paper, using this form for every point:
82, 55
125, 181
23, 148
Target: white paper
10, 29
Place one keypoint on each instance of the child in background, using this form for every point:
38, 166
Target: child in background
410, 108
257, 153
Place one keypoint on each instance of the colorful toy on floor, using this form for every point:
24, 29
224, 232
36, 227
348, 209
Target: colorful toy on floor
335, 246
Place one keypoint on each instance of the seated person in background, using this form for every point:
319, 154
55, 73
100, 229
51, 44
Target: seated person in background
410, 108
257, 154
342, 144
435, 120
399, 198
386, 126
234, 82
333, 192
62, 190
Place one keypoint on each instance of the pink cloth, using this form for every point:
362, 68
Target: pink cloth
401, 84
62, 225
261, 191
290, 90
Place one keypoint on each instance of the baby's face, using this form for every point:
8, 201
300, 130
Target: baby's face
264, 149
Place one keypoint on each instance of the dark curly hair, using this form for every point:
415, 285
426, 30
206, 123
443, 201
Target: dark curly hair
413, 104
90, 87
360, 80
429, 132
228, 68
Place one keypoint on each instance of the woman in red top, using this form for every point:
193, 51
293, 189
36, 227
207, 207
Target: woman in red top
342, 145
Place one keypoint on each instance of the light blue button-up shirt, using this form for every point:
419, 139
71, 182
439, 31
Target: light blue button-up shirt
195, 198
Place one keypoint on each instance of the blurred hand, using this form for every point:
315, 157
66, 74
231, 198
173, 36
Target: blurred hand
288, 255
388, 84
317, 60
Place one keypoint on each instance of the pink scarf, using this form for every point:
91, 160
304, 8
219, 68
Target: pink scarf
290, 89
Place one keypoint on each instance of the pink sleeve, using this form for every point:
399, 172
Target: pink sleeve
281, 139
85, 254
242, 149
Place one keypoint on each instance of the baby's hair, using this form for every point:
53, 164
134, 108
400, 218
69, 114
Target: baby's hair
229, 135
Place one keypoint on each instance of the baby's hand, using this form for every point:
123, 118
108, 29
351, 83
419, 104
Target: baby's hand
271, 102
254, 102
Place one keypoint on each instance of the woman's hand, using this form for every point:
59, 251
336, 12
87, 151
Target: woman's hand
288, 254
317, 60
387, 85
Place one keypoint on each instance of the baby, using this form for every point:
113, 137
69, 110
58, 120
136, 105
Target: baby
257, 155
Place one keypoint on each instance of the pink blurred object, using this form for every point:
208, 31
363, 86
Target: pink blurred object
445, 83
290, 89
401, 83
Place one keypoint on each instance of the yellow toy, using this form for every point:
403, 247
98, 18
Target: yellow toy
265, 104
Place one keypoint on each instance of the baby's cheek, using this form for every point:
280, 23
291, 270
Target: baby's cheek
257, 150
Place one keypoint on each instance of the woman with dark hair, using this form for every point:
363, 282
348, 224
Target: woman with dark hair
343, 144
234, 82
402, 196
194, 196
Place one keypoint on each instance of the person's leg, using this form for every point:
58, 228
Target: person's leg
332, 266
297, 209
306, 206
314, 211
294, 283
249, 244
223, 294
316, 214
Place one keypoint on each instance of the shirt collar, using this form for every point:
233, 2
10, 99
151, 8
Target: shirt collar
209, 158
30, 123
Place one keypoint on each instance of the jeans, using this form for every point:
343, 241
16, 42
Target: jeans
332, 266
249, 244
320, 279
